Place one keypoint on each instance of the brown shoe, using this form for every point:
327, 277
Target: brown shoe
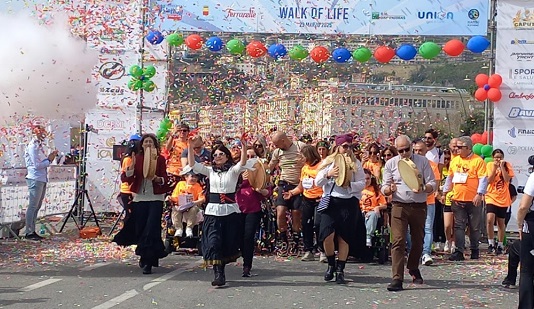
416, 276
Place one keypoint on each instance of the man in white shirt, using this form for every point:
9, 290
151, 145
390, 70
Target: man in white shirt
525, 221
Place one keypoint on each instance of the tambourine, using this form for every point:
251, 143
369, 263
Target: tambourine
345, 173
257, 177
410, 174
149, 163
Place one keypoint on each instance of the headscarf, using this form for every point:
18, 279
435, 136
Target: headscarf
344, 138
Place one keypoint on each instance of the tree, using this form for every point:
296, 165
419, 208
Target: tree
474, 124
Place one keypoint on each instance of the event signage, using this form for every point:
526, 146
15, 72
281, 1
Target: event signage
385, 17
514, 113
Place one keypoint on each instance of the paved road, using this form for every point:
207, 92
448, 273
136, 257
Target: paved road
67, 273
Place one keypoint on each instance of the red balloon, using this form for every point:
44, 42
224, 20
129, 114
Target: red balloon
481, 80
495, 81
484, 138
494, 95
256, 49
454, 47
194, 41
320, 54
384, 54
481, 95
476, 138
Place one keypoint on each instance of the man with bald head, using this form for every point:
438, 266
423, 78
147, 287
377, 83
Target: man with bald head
453, 147
287, 157
409, 209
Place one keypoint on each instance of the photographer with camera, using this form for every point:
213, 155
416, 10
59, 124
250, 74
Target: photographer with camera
125, 196
525, 222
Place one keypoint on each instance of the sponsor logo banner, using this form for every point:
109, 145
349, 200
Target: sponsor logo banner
518, 112
386, 17
519, 132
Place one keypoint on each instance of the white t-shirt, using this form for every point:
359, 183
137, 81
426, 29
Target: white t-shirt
433, 155
529, 189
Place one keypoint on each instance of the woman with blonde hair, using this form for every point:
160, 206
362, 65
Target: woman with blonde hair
341, 221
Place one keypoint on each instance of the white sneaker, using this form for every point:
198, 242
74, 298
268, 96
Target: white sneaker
437, 247
368, 242
427, 260
188, 232
447, 247
179, 233
308, 256
322, 257
453, 247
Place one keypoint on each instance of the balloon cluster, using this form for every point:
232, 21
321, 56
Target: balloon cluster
320, 54
164, 126
481, 146
488, 87
141, 78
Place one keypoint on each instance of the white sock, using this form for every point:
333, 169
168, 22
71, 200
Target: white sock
500, 244
491, 242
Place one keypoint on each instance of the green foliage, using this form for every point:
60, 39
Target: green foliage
474, 124
447, 74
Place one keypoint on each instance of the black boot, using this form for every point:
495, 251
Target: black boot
218, 271
147, 269
329, 274
340, 274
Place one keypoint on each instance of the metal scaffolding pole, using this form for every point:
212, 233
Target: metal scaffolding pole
493, 31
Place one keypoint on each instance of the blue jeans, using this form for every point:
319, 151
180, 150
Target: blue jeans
371, 219
429, 228
37, 190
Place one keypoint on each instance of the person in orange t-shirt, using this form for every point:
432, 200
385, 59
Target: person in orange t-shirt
371, 203
311, 197
498, 199
188, 192
374, 162
125, 195
467, 178
176, 144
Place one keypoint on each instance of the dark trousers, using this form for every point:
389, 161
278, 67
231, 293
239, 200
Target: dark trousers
308, 214
513, 260
439, 225
317, 228
402, 216
125, 200
251, 222
148, 231
466, 213
526, 285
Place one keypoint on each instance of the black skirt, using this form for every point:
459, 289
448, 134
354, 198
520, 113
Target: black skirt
143, 228
221, 237
344, 218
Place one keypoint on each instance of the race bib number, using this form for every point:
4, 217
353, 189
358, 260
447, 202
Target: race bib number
307, 183
459, 178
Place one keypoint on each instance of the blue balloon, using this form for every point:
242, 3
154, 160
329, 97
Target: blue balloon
478, 44
406, 52
154, 37
214, 44
341, 55
277, 51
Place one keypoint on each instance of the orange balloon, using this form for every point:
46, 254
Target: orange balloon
454, 47
320, 54
384, 54
494, 95
256, 49
481, 95
194, 41
495, 81
481, 80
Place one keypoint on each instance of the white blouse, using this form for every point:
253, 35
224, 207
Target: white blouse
357, 183
221, 182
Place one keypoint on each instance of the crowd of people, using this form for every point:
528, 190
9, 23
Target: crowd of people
328, 196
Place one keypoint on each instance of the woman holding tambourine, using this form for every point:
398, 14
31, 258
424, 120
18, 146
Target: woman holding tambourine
147, 177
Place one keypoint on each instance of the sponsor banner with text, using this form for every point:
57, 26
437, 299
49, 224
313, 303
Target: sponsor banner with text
385, 17
514, 113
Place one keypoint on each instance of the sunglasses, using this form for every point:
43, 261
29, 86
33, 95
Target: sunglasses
461, 147
346, 146
258, 146
403, 150
184, 131
218, 154
388, 155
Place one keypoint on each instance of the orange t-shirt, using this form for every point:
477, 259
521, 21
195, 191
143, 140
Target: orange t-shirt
125, 187
307, 178
370, 199
498, 192
375, 168
183, 188
475, 168
431, 199
174, 164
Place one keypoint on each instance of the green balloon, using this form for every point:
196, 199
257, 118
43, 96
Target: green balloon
175, 39
136, 71
477, 149
149, 71
148, 85
362, 54
134, 84
298, 53
429, 50
487, 150
235, 47
488, 159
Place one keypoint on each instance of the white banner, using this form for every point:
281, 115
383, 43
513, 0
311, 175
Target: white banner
514, 114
